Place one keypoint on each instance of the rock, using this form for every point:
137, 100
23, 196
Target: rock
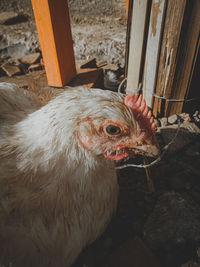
34, 67
197, 119
111, 67
91, 63
185, 117
196, 116
30, 59
13, 52
188, 131
173, 228
113, 74
191, 127
172, 119
163, 122
196, 113
7, 17
10, 17
174, 221
110, 80
132, 252
190, 264
14, 61
10, 69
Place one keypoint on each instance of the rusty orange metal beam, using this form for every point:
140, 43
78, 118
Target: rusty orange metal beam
54, 30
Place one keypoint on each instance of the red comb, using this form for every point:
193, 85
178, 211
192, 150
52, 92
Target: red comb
142, 114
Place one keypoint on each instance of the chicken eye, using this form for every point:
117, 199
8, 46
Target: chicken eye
113, 130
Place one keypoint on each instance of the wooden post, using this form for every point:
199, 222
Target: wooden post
169, 52
53, 25
153, 49
127, 7
136, 44
187, 55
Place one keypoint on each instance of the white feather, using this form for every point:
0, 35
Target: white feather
61, 196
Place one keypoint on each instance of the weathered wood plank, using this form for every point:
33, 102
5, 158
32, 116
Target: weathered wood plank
187, 58
136, 44
53, 25
153, 48
169, 51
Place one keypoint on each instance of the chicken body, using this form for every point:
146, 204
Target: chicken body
58, 184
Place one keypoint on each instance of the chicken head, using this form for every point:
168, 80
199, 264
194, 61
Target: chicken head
120, 136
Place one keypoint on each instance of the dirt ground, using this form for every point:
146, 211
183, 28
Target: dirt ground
98, 29
167, 219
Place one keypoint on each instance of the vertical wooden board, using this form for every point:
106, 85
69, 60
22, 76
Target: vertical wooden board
53, 25
153, 49
169, 49
187, 59
136, 44
194, 90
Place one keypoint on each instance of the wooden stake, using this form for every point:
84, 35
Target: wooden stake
53, 25
127, 7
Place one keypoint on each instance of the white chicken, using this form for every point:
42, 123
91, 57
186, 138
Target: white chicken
58, 183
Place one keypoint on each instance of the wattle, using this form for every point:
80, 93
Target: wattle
116, 155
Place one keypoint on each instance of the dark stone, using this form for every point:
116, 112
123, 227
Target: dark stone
5, 17
10, 18
91, 63
173, 227
176, 217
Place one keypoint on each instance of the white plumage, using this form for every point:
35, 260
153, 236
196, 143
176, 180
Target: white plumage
58, 184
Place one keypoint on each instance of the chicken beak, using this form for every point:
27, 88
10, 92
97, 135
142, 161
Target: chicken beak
148, 148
